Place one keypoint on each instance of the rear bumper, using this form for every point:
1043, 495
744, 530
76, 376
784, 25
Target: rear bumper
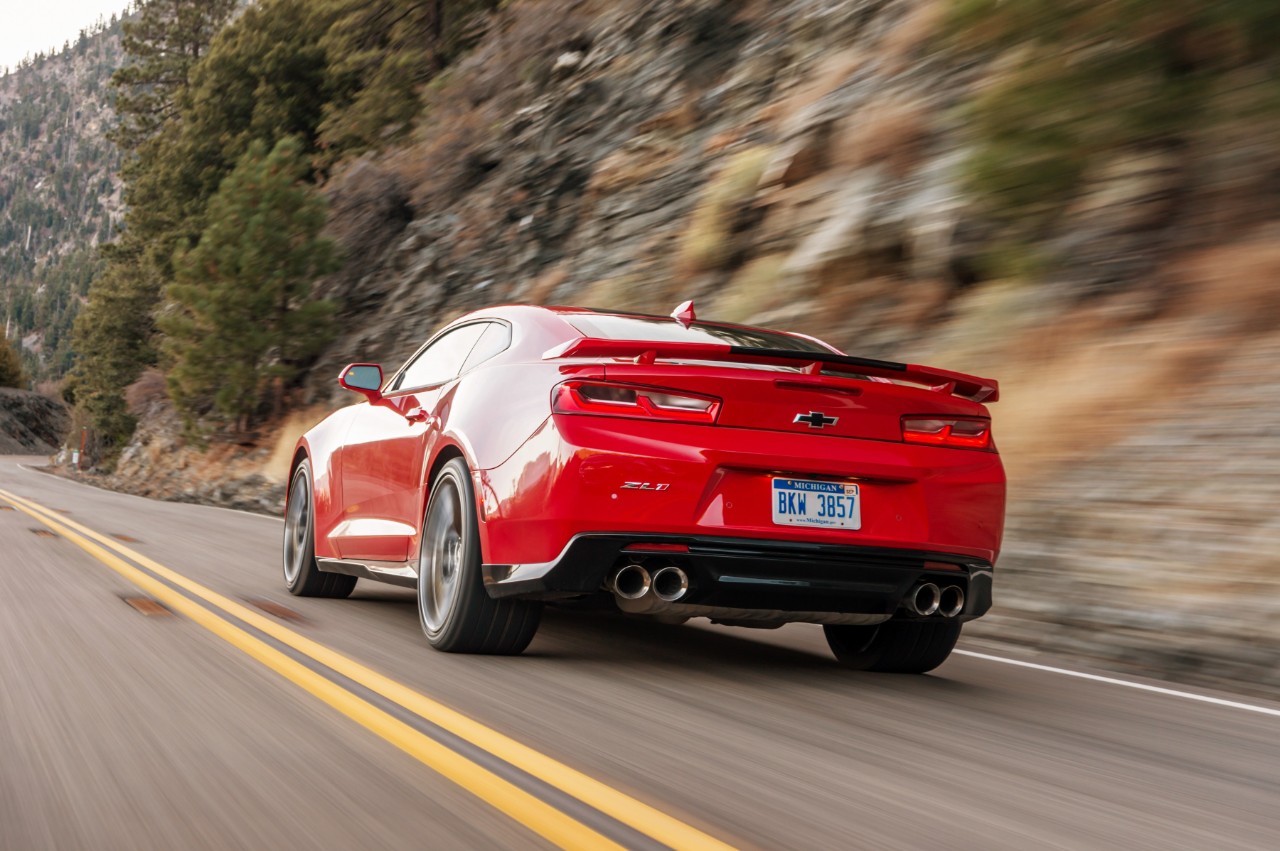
744, 573
588, 475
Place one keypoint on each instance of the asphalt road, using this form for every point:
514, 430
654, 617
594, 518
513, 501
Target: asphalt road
216, 723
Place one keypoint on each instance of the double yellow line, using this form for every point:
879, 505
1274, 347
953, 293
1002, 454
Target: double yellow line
546, 820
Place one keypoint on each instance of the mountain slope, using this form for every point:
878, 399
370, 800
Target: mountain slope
59, 191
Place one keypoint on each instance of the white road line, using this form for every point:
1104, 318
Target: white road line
1203, 698
25, 468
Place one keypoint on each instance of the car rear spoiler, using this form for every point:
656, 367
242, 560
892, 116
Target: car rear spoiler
969, 387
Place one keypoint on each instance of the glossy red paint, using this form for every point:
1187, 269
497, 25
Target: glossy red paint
542, 477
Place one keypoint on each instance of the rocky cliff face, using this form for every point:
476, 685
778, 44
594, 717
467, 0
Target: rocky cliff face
763, 158
800, 164
30, 424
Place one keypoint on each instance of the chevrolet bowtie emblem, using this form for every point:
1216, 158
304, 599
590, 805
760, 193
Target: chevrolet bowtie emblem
816, 419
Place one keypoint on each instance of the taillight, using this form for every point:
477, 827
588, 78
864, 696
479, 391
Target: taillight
625, 400
966, 433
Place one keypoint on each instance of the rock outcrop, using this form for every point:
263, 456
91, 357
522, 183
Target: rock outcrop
30, 424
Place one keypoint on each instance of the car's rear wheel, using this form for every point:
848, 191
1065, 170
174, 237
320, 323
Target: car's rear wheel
895, 647
302, 576
457, 615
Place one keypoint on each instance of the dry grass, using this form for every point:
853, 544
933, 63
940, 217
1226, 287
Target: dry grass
903, 45
892, 131
1233, 288
1075, 381
708, 243
626, 292
276, 467
753, 290
543, 289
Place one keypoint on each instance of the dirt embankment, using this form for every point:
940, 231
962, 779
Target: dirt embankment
30, 423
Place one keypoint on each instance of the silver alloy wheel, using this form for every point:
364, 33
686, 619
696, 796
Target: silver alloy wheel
297, 528
440, 556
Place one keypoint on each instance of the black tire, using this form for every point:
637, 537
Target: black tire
302, 576
894, 647
457, 614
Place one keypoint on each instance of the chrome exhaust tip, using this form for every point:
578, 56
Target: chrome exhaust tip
951, 601
631, 582
923, 600
670, 583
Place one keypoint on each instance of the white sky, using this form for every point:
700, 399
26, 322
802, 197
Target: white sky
30, 26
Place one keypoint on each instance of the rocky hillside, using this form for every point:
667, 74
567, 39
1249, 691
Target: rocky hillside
30, 424
864, 170
59, 191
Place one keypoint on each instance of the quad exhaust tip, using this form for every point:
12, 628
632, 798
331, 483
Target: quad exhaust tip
670, 583
951, 601
924, 599
631, 582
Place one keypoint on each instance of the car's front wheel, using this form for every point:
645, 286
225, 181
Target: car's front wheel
896, 647
302, 576
457, 615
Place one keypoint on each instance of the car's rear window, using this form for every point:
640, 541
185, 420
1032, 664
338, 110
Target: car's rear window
610, 327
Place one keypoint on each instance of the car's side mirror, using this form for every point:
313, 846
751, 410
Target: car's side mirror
363, 378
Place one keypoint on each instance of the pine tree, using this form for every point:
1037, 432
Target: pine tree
381, 53
238, 324
113, 333
11, 371
168, 38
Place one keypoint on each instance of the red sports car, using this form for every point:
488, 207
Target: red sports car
669, 467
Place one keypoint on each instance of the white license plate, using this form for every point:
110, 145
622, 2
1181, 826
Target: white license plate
803, 502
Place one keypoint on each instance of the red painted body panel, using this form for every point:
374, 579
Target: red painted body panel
568, 479
542, 478
319, 445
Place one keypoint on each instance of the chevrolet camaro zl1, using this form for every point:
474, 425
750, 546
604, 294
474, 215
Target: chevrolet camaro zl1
668, 467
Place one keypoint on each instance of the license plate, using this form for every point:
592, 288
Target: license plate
802, 502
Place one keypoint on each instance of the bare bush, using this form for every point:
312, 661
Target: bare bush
148, 391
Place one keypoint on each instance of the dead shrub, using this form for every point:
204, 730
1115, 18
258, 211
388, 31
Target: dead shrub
50, 390
708, 242
452, 156
148, 391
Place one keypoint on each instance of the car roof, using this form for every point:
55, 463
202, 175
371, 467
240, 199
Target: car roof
563, 313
